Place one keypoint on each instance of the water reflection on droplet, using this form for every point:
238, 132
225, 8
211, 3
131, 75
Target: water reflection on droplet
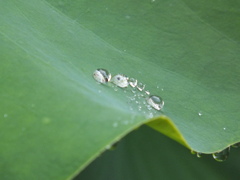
199, 154
147, 92
133, 82
140, 86
156, 102
120, 80
222, 155
102, 75
200, 113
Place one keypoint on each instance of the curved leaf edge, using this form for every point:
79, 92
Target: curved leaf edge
165, 126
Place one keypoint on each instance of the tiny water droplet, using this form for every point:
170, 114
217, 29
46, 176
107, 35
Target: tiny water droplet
150, 115
224, 128
101, 75
108, 146
149, 107
139, 108
222, 155
147, 92
115, 124
200, 113
112, 147
99, 91
162, 89
5, 115
140, 86
199, 154
127, 17
133, 91
120, 80
156, 102
132, 82
236, 145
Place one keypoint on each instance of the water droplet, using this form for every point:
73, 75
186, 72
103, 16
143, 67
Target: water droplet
120, 80
199, 154
5, 115
127, 17
108, 146
162, 89
200, 113
112, 147
147, 92
101, 75
222, 155
140, 86
236, 145
224, 128
156, 102
115, 124
132, 82
150, 115
139, 108
99, 91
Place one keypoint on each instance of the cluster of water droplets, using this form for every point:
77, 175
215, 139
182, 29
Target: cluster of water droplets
142, 97
221, 155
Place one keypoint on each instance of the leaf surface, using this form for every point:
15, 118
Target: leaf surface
56, 118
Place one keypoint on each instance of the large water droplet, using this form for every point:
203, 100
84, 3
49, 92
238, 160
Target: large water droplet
222, 155
120, 80
140, 86
132, 82
156, 102
101, 75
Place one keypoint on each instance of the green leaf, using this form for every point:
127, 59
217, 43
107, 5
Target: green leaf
55, 119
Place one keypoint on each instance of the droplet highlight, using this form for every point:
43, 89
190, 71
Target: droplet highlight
140, 86
133, 82
120, 80
156, 102
222, 155
102, 75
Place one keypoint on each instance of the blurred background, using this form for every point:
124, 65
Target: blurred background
145, 154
